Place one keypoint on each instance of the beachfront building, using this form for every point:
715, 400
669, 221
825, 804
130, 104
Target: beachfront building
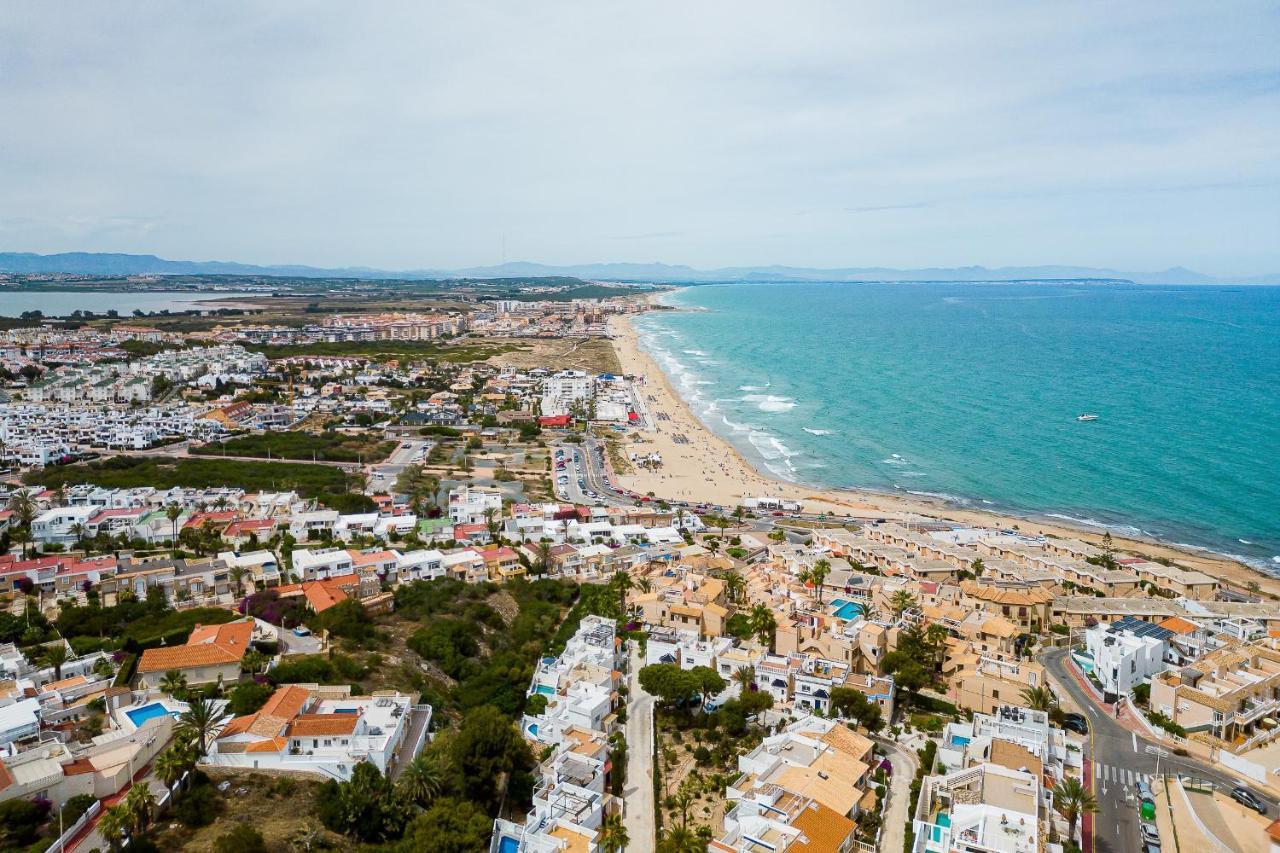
324, 731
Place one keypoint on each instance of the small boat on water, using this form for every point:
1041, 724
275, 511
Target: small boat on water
1086, 417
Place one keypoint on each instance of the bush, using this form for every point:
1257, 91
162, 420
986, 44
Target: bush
247, 697
198, 806
243, 839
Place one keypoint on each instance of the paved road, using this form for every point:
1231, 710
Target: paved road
905, 763
638, 792
1119, 760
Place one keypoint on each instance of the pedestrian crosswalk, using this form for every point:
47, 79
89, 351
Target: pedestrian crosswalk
1110, 774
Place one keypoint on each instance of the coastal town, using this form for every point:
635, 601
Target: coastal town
467, 575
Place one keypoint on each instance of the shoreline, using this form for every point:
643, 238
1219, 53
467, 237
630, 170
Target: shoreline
707, 468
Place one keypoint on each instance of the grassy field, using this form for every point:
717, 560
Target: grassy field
594, 355
461, 353
126, 472
322, 447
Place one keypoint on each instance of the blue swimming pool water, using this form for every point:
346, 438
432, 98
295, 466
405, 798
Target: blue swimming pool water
508, 845
138, 716
836, 602
849, 610
545, 690
533, 729
959, 740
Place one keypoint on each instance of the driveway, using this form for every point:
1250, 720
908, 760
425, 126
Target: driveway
905, 763
638, 792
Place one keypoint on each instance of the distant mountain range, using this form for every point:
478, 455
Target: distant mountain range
112, 264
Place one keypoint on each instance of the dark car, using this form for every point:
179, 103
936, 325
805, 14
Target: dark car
1075, 723
1247, 798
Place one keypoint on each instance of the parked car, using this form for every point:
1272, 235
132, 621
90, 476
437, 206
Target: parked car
1076, 723
1247, 798
1144, 793
1150, 835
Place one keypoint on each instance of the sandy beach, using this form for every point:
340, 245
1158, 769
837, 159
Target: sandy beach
700, 466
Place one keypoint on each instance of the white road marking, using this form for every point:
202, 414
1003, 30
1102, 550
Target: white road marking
1134, 737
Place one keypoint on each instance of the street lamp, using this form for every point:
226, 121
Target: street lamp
1159, 754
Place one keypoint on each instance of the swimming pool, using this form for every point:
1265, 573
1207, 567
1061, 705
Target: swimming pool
848, 610
138, 716
533, 730
836, 602
508, 845
545, 690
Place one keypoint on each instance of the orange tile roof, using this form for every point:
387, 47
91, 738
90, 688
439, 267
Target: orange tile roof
1178, 625
187, 657
286, 702
319, 725
78, 767
821, 828
275, 744
234, 634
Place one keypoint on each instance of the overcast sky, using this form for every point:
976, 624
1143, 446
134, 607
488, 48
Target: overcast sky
431, 134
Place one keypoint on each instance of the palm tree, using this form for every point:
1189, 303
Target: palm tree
170, 766
1072, 799
237, 574
24, 509
745, 676
544, 556
734, 585
174, 683
79, 531
763, 624
55, 656
112, 825
683, 799
22, 535
613, 835
421, 779
680, 839
200, 722
936, 637
138, 806
623, 581
900, 602
1037, 698
818, 575
172, 512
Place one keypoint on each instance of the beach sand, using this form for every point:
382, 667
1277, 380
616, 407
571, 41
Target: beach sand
707, 469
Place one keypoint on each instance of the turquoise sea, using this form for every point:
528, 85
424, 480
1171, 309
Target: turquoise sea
971, 391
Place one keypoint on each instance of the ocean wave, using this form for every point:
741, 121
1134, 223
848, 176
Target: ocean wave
894, 459
813, 431
693, 352
914, 474
770, 402
1127, 529
753, 387
955, 499
1244, 541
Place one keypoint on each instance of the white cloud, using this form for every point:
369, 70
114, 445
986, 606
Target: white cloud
424, 135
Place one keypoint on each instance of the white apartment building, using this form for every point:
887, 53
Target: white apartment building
322, 563
1126, 653
469, 504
